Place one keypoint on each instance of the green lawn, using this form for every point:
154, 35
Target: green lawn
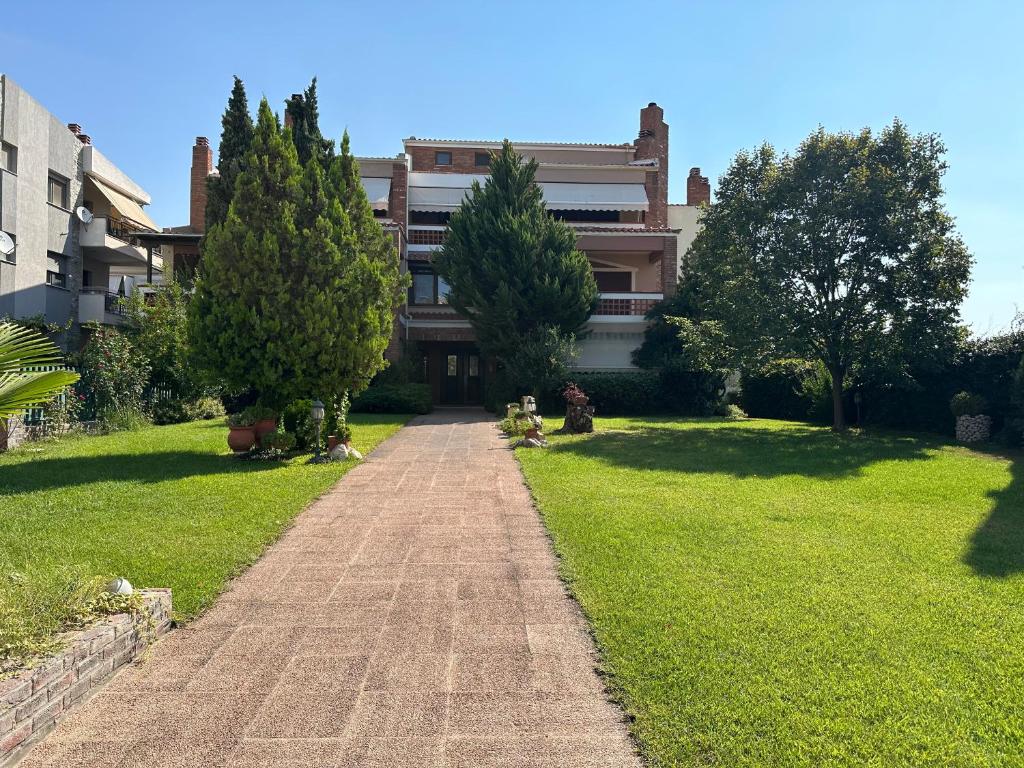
770, 594
164, 507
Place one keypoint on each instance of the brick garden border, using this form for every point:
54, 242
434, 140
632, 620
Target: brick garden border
32, 702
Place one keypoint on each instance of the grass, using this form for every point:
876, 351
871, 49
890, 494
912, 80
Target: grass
163, 507
768, 593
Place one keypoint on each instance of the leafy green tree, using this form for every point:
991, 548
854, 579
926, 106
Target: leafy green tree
661, 345
157, 325
512, 267
235, 140
540, 362
304, 111
841, 253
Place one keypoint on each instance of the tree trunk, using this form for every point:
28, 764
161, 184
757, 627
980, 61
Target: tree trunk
838, 417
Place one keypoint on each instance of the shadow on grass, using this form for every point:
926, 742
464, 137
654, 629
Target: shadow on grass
63, 472
747, 452
997, 546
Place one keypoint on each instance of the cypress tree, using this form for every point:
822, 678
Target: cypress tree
304, 111
235, 140
512, 267
237, 317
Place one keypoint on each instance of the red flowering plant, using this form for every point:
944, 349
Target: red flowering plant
574, 395
113, 375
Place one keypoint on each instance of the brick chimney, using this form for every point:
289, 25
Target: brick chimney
289, 121
75, 128
84, 138
652, 144
202, 167
698, 188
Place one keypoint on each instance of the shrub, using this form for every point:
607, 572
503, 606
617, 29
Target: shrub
967, 404
259, 413
207, 408
394, 398
777, 390
242, 419
114, 375
296, 419
123, 420
278, 440
169, 411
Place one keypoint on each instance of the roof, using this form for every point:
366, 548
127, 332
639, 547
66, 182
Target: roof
414, 141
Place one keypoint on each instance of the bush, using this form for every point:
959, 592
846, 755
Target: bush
777, 390
123, 420
394, 398
967, 404
114, 375
206, 408
278, 440
169, 411
296, 419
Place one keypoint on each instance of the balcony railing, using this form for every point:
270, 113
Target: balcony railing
627, 303
424, 235
111, 301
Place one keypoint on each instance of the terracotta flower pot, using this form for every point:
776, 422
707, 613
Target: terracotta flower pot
263, 426
332, 442
241, 439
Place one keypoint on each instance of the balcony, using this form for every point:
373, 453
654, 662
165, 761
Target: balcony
111, 241
98, 305
426, 238
625, 306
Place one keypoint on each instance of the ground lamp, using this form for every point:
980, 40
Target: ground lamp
317, 414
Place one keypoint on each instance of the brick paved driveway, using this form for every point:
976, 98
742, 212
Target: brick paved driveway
411, 617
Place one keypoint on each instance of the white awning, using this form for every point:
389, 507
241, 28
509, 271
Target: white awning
445, 191
125, 206
594, 197
378, 190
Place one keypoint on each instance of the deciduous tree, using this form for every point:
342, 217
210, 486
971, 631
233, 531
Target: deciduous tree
840, 252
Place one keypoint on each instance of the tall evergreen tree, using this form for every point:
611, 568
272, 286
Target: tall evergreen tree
238, 312
235, 140
294, 300
512, 267
304, 112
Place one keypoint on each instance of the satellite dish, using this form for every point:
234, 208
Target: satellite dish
6, 244
84, 215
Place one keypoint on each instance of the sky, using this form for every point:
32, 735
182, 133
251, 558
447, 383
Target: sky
144, 79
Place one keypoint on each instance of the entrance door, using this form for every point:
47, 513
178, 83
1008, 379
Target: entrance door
461, 383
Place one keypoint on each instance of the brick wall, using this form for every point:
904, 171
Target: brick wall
33, 702
669, 265
463, 159
13, 435
202, 167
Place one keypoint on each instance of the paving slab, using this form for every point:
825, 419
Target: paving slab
412, 616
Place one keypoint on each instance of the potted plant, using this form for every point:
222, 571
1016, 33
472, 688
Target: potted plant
345, 435
278, 440
241, 435
263, 420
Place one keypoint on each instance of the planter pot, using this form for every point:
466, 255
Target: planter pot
332, 442
263, 426
241, 439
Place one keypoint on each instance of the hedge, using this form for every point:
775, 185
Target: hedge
394, 398
643, 393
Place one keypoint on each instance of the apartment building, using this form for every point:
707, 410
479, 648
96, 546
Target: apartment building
615, 196
71, 219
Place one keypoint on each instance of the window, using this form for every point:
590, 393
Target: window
8, 157
422, 288
453, 365
58, 191
442, 158
56, 270
428, 288
482, 160
613, 282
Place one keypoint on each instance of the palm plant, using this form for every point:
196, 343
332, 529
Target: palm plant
21, 351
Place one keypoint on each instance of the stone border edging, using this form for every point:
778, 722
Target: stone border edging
32, 702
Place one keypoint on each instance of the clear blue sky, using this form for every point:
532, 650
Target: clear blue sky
144, 79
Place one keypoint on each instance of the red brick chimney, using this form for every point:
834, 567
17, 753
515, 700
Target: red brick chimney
75, 128
84, 138
202, 167
652, 144
698, 188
